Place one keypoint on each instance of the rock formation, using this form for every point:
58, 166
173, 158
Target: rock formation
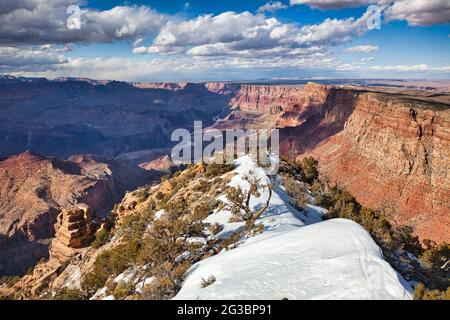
33, 190
391, 149
74, 230
74, 116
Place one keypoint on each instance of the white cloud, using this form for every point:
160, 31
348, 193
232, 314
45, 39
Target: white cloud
226, 68
420, 12
231, 33
365, 60
272, 7
362, 49
42, 21
402, 68
30, 58
416, 12
334, 4
183, 67
34, 37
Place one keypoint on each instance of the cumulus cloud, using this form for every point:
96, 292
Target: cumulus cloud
420, 12
411, 68
366, 60
181, 68
34, 37
231, 33
415, 12
362, 49
45, 21
272, 7
30, 58
334, 4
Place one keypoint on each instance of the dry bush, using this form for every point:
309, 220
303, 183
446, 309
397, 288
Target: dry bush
208, 281
239, 200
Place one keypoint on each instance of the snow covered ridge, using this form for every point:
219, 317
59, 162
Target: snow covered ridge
298, 256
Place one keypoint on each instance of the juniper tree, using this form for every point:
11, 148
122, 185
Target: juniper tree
239, 200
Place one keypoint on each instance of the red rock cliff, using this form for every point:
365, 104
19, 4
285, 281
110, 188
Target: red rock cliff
33, 190
394, 154
391, 150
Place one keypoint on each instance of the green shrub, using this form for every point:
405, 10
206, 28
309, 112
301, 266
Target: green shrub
216, 169
422, 293
310, 171
70, 294
110, 263
101, 237
437, 257
134, 225
123, 290
9, 281
142, 193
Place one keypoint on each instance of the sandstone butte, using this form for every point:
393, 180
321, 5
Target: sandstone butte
390, 150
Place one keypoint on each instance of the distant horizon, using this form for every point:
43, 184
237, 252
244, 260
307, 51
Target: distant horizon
281, 80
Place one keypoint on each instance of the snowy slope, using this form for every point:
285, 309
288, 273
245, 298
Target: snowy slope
335, 259
297, 257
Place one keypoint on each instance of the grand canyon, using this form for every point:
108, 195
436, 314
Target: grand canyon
388, 147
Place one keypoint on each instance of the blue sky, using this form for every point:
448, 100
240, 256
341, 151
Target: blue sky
225, 39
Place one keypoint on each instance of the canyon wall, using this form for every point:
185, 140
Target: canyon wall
78, 116
391, 150
394, 154
33, 191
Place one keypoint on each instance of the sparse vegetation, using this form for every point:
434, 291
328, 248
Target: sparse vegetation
215, 228
123, 290
142, 193
422, 293
239, 200
9, 281
101, 237
111, 262
70, 294
216, 169
435, 260
305, 170
208, 281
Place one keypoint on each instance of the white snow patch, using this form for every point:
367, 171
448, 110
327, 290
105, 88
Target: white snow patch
100, 294
334, 259
196, 240
126, 276
298, 256
74, 279
159, 213
141, 284
279, 213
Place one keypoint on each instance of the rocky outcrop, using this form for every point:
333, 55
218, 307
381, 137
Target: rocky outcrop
387, 147
393, 154
162, 164
223, 88
160, 85
33, 190
74, 230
